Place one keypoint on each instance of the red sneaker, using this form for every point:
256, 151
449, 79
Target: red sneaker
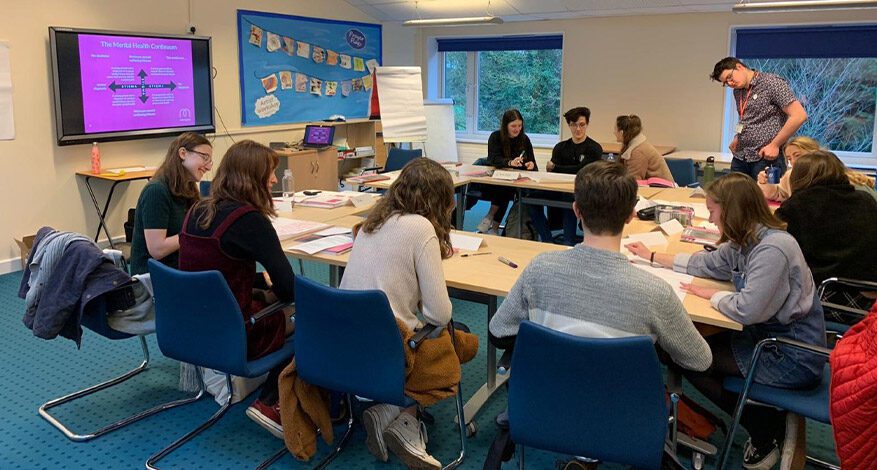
266, 416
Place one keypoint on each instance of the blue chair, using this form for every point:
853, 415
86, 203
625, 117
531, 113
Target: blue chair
809, 403
204, 188
682, 170
198, 320
347, 341
832, 326
94, 318
398, 158
598, 398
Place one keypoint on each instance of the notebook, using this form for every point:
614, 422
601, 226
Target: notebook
318, 136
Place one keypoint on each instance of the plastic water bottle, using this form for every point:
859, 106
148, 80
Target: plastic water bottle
709, 170
610, 157
288, 187
95, 158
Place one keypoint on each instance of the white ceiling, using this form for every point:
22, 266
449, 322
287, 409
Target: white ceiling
396, 11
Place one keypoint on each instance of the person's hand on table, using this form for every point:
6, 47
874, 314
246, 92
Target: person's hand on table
700, 291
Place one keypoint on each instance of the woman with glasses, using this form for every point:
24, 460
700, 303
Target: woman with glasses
641, 158
569, 156
166, 199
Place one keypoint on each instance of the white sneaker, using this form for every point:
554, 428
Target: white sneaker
406, 437
376, 419
485, 225
760, 459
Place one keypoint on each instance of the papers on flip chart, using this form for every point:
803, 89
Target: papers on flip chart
670, 277
465, 242
671, 227
506, 175
333, 231
551, 178
292, 228
320, 244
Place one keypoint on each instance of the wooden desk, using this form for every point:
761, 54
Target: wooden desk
615, 147
115, 179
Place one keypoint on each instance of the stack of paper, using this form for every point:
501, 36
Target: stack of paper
292, 228
551, 178
506, 175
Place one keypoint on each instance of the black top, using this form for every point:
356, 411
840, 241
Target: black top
157, 208
252, 237
569, 157
836, 229
497, 157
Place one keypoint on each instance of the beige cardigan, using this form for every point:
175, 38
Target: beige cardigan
643, 160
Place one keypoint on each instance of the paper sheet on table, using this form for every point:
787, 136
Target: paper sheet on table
7, 121
465, 242
653, 240
643, 203
321, 244
333, 231
671, 227
700, 210
670, 277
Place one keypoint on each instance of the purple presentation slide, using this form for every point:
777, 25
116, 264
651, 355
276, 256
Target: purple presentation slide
135, 83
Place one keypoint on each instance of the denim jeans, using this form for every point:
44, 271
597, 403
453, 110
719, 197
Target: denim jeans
540, 222
754, 168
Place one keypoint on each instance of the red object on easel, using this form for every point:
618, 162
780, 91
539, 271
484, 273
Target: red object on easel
374, 107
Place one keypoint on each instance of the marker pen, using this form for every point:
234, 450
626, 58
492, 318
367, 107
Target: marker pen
507, 262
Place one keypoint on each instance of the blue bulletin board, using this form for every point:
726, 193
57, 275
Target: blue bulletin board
298, 69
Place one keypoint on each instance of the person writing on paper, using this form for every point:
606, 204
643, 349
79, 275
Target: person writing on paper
769, 114
165, 200
796, 147
230, 231
773, 296
509, 147
592, 290
568, 156
641, 158
399, 250
835, 224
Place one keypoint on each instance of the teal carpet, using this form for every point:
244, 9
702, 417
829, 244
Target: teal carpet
36, 370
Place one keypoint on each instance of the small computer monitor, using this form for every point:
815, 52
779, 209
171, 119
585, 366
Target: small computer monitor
318, 136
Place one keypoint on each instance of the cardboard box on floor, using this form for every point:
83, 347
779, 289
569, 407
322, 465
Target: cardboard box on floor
25, 244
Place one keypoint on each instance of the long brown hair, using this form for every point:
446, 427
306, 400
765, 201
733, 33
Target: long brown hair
242, 177
823, 168
744, 209
178, 179
630, 127
424, 188
508, 117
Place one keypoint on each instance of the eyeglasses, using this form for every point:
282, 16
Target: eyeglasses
729, 79
207, 158
578, 125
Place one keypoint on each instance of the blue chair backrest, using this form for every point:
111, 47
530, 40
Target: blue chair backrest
348, 341
595, 397
204, 188
198, 320
682, 170
481, 162
397, 158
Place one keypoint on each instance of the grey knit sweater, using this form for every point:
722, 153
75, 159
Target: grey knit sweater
591, 292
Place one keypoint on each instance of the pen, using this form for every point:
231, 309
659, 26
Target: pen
507, 261
474, 254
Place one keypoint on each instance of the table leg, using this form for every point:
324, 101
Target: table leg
100, 214
334, 275
461, 205
520, 213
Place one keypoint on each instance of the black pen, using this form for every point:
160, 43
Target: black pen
474, 254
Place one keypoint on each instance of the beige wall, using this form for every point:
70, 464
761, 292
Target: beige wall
37, 182
655, 66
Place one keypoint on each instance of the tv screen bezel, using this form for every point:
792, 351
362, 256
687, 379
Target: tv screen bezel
85, 138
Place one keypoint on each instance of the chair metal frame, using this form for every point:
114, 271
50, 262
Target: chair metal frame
413, 343
744, 399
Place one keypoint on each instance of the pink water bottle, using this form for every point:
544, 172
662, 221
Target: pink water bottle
95, 159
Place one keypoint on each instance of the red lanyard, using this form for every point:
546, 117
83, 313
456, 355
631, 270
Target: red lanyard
741, 105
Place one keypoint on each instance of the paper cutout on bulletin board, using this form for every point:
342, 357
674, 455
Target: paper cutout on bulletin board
300, 62
7, 123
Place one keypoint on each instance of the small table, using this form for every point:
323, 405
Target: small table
115, 179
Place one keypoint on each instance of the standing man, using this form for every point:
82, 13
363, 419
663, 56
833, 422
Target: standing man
769, 115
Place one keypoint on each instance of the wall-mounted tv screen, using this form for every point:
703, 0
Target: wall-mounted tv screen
112, 85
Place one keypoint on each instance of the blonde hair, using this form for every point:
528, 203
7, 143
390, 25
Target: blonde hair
806, 144
744, 209
424, 188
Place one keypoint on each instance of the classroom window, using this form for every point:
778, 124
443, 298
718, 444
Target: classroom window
487, 76
833, 72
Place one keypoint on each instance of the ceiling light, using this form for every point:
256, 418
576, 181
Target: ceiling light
811, 5
454, 21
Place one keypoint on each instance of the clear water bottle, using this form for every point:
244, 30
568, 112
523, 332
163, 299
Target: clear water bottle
709, 170
610, 157
288, 187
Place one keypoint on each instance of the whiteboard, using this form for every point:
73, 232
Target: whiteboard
441, 139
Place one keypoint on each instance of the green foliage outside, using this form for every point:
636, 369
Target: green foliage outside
526, 80
840, 96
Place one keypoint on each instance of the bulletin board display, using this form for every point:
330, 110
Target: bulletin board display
297, 69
